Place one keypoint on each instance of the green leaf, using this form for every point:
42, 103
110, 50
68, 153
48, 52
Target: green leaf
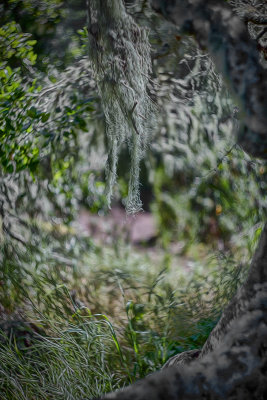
32, 112
31, 42
33, 166
45, 117
10, 168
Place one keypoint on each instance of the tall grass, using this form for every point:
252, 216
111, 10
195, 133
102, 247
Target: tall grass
82, 323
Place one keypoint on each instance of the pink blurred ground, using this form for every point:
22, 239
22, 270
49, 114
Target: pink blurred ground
134, 229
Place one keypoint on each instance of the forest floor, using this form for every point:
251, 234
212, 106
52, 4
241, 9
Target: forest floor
140, 231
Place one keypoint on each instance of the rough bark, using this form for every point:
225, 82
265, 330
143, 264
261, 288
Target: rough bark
184, 358
238, 306
233, 364
224, 35
237, 369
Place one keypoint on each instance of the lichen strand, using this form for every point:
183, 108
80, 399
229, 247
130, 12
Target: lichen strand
120, 59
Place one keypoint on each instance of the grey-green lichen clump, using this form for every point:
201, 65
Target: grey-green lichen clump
120, 59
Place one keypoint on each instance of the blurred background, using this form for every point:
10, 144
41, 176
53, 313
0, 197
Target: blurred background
92, 299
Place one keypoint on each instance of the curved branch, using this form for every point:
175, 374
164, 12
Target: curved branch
239, 304
235, 370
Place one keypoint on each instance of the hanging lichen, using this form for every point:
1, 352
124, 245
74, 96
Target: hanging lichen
120, 58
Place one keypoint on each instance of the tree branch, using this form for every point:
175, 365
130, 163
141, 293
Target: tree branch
239, 304
235, 370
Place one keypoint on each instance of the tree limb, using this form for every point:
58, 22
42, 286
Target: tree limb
235, 370
233, 363
239, 304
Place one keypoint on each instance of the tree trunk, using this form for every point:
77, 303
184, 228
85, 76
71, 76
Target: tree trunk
233, 362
